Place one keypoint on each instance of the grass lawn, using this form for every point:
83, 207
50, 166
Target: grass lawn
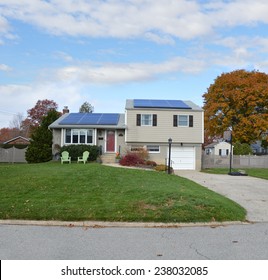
254, 172
69, 192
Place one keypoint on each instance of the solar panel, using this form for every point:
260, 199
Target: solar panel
72, 118
90, 119
154, 103
111, 119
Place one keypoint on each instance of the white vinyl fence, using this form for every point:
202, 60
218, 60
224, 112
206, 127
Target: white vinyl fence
250, 161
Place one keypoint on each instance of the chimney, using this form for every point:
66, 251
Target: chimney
65, 110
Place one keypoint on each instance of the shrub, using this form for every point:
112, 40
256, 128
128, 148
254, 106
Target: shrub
162, 168
151, 163
143, 154
242, 149
131, 159
76, 151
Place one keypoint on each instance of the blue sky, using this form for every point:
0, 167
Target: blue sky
105, 51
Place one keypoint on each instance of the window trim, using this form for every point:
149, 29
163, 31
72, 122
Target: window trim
176, 120
181, 115
140, 120
153, 152
77, 130
151, 120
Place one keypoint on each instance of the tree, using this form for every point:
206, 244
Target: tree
86, 108
237, 100
16, 121
41, 109
8, 133
242, 149
40, 148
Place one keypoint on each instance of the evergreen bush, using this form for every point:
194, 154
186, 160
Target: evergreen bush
40, 148
242, 149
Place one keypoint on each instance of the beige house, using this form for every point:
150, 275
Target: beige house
150, 125
146, 124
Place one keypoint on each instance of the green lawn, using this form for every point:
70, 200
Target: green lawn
51, 191
254, 172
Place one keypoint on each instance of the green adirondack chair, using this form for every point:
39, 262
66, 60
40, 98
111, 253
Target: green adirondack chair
84, 157
65, 157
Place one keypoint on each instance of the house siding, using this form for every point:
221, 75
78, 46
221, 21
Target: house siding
56, 141
164, 128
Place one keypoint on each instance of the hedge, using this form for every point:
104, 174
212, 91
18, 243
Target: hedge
76, 151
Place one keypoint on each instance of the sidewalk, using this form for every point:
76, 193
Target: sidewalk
251, 193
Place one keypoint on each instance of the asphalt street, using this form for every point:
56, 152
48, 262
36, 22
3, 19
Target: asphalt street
232, 242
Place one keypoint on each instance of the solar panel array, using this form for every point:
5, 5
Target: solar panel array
90, 119
169, 104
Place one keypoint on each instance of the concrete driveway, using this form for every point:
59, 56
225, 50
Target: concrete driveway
249, 192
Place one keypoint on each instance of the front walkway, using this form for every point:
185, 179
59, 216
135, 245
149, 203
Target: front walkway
251, 193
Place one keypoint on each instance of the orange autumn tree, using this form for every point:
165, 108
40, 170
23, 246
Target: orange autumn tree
237, 100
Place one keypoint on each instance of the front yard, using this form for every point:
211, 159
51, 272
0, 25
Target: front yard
69, 192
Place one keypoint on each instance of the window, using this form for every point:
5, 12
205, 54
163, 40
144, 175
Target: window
68, 135
75, 136
89, 136
146, 120
223, 152
136, 148
153, 149
82, 137
183, 120
78, 136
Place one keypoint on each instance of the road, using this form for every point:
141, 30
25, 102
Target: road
29, 242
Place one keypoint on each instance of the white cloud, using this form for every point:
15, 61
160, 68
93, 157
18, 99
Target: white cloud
239, 12
63, 56
5, 68
4, 26
156, 20
129, 72
116, 18
19, 98
160, 39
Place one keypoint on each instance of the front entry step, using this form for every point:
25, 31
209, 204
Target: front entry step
108, 158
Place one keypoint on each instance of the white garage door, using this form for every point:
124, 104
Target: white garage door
183, 158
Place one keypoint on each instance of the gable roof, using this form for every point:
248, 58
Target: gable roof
18, 140
90, 120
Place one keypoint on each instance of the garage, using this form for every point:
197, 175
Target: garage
183, 158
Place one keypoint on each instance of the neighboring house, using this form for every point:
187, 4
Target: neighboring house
9, 152
257, 148
19, 140
218, 149
146, 124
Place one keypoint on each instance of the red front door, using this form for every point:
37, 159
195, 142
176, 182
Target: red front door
110, 143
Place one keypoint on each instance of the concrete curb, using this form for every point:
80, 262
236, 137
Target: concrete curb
100, 224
